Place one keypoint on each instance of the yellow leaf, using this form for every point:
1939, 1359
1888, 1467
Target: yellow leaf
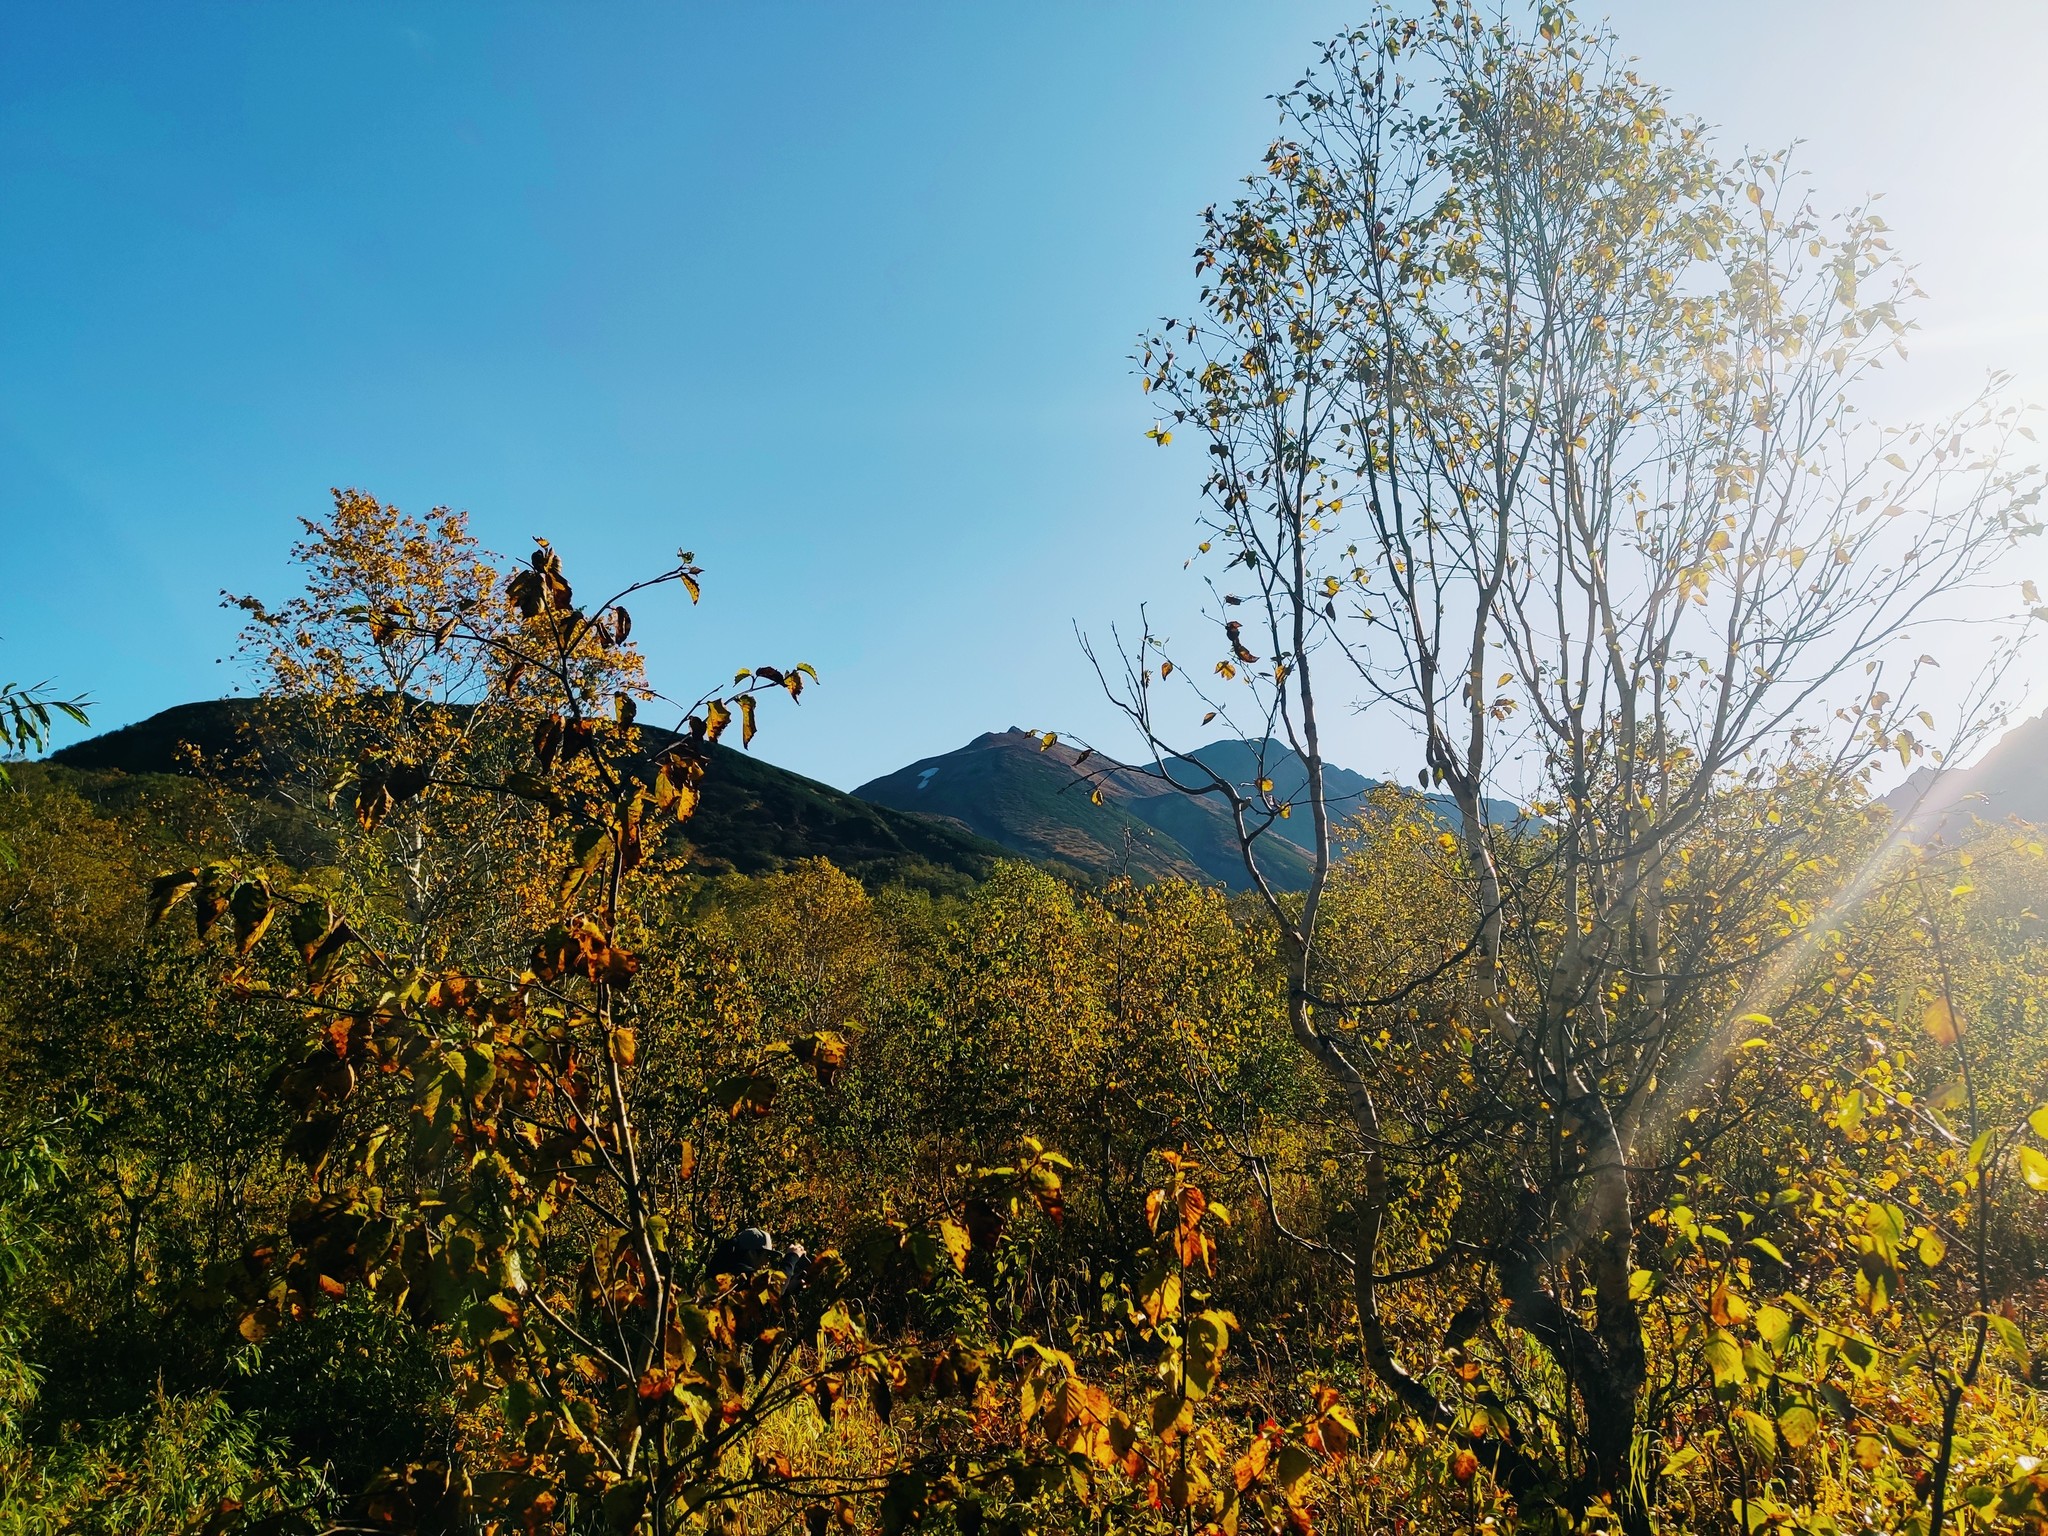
2034, 1169
1295, 1464
957, 1242
1726, 1307
1797, 1425
1724, 1358
1940, 1021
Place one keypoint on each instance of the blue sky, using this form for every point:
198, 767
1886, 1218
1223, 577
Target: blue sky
839, 296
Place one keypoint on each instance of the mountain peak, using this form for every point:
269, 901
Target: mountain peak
1109, 818
1106, 818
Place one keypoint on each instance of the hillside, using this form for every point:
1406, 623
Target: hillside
754, 816
1244, 763
1002, 786
2011, 780
1038, 803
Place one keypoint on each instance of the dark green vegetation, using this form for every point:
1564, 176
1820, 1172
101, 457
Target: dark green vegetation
755, 818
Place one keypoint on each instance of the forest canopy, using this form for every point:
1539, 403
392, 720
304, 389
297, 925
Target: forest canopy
413, 1138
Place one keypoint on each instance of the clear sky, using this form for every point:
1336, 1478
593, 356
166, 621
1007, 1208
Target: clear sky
839, 296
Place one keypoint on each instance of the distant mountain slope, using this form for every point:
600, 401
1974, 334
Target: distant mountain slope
754, 817
1038, 803
2010, 780
178, 739
1244, 763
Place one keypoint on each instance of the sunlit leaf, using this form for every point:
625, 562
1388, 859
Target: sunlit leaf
1940, 1021
2034, 1169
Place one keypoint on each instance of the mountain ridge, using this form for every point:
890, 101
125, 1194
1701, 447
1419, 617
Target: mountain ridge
2009, 780
753, 818
1104, 817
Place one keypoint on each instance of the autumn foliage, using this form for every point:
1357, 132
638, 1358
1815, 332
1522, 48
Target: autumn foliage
401, 1132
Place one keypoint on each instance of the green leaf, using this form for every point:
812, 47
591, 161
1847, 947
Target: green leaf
2014, 1341
479, 1071
1724, 1358
625, 1504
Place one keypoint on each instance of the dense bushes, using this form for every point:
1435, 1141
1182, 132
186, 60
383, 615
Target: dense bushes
1114, 1026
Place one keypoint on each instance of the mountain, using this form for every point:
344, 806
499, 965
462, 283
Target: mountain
2011, 780
1041, 803
939, 823
754, 817
1245, 763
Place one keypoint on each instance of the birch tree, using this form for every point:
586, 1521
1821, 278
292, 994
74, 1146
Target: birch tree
1531, 431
